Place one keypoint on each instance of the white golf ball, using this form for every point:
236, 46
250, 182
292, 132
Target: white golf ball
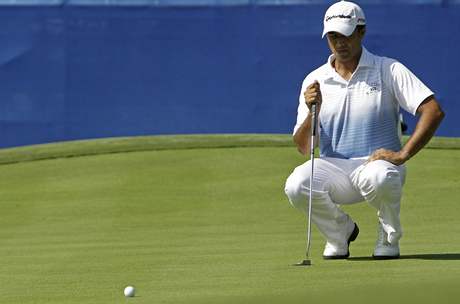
129, 291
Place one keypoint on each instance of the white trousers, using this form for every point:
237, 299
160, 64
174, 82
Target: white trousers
348, 181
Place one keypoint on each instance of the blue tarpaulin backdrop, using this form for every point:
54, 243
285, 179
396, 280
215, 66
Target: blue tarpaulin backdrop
73, 71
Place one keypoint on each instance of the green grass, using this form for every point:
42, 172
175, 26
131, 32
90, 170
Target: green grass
186, 224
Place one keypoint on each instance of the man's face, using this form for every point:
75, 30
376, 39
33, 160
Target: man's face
345, 48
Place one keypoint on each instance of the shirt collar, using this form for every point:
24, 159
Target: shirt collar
366, 60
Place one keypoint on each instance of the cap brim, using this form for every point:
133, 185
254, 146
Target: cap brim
344, 29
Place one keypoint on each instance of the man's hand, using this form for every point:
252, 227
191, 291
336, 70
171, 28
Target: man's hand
396, 158
313, 95
302, 137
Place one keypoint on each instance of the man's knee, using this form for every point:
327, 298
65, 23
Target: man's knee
293, 190
380, 178
298, 184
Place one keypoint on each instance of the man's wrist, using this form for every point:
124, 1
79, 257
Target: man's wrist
405, 155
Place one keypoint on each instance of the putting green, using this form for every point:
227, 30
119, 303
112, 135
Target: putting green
205, 220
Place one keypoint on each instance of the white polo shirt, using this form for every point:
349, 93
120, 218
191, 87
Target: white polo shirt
361, 115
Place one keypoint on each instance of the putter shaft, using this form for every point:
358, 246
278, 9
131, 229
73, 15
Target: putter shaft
310, 194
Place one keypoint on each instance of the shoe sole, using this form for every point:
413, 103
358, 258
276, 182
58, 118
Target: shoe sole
336, 257
351, 238
385, 257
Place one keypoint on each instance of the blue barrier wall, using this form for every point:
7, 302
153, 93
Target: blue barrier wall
73, 71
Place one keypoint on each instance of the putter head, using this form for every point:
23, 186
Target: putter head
303, 263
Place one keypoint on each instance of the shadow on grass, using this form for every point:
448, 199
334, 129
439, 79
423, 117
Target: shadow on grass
423, 256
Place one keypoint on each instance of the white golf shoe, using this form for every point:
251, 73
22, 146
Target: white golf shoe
340, 251
384, 250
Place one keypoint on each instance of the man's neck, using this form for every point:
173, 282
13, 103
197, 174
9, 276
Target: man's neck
347, 68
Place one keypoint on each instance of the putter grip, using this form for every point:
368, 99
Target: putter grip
313, 119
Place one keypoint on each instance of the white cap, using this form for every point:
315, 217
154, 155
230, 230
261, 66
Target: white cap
343, 17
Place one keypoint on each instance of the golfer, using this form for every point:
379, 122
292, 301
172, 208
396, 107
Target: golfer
358, 97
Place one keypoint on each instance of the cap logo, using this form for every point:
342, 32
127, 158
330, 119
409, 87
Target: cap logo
338, 16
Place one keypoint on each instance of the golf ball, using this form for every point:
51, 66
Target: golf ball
129, 291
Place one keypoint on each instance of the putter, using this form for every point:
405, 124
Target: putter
307, 261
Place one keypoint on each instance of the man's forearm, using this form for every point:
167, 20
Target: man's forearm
431, 116
302, 136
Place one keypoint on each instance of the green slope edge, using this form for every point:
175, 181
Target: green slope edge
164, 142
